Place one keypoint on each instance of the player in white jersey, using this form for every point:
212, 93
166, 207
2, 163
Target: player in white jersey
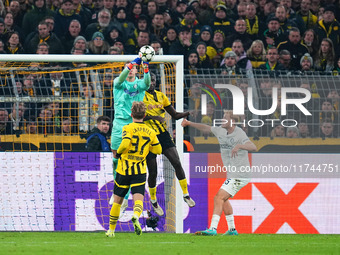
235, 145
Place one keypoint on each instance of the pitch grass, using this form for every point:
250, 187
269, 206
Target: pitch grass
80, 243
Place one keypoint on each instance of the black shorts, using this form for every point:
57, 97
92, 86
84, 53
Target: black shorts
166, 142
124, 182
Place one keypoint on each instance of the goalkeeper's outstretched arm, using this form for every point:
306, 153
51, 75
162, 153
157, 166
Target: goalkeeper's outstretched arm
124, 74
201, 127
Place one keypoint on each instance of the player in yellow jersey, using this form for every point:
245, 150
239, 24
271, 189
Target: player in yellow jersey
156, 105
137, 141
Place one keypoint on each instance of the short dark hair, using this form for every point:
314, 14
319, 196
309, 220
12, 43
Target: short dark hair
103, 118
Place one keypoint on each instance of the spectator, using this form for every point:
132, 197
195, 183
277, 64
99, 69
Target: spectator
113, 34
274, 35
98, 45
326, 26
243, 62
281, 14
113, 50
253, 23
206, 35
240, 34
277, 131
328, 111
142, 25
142, 39
306, 63
158, 29
292, 132
84, 12
31, 127
325, 57
44, 35
169, 39
13, 45
109, 5
156, 45
272, 61
205, 13
285, 59
310, 39
184, 45
217, 49
5, 125
64, 17
303, 129
17, 119
10, 27
151, 9
191, 22
307, 16
80, 44
104, 22
333, 95
118, 42
229, 65
97, 137
45, 121
326, 129
191, 64
123, 24
242, 10
14, 8
295, 47
66, 126
135, 12
222, 19
32, 18
203, 58
256, 54
3, 36
73, 32
42, 49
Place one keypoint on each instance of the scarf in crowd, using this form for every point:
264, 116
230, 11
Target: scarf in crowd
252, 30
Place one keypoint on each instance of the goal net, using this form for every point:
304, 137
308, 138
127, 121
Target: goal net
48, 103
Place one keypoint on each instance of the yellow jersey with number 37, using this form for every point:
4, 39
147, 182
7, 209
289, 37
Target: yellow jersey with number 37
137, 140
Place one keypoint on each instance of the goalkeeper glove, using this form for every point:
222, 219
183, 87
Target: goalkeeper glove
136, 61
146, 67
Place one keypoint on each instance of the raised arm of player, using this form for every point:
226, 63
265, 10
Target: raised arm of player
124, 74
176, 115
147, 77
201, 127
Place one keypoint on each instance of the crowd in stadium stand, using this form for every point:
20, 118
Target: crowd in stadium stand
297, 36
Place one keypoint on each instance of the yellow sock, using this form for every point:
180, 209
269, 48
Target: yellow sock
138, 208
153, 193
184, 186
114, 215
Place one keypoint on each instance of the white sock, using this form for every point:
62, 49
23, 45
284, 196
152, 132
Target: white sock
214, 221
230, 221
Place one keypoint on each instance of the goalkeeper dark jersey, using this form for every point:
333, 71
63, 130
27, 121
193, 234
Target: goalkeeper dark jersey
137, 140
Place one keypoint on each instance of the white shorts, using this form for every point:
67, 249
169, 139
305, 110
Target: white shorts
232, 186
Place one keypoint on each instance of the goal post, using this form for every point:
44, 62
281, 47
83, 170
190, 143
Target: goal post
178, 78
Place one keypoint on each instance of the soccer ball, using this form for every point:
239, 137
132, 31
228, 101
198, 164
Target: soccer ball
146, 53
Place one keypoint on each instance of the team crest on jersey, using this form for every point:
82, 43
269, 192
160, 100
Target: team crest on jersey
135, 86
131, 93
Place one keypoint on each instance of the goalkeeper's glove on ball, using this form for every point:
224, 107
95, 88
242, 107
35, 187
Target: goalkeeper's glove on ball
136, 61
